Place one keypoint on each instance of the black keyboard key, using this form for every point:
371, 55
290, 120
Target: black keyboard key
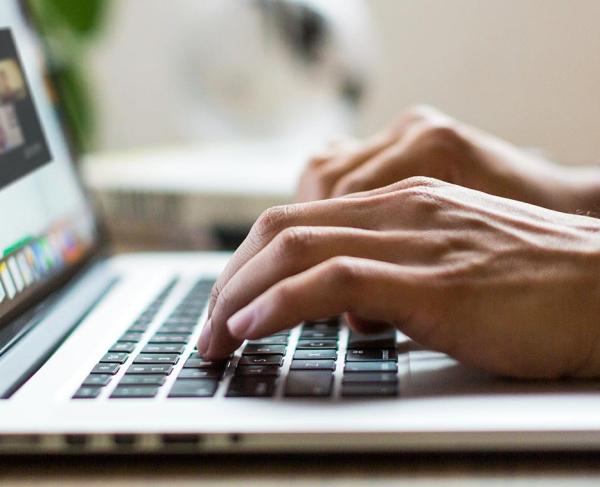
319, 335
386, 339
371, 355
181, 320
324, 327
313, 365
195, 353
261, 360
177, 329
164, 348
302, 383
97, 380
258, 370
318, 344
273, 340
251, 387
264, 349
142, 380
111, 369
366, 377
122, 347
170, 338
86, 392
115, 358
371, 367
155, 358
138, 328
194, 388
201, 374
164, 369
315, 355
331, 321
198, 363
375, 389
134, 392
131, 337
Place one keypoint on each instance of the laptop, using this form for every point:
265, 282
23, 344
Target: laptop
97, 352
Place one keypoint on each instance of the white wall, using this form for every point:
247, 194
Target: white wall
528, 70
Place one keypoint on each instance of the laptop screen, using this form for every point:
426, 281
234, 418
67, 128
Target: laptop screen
46, 224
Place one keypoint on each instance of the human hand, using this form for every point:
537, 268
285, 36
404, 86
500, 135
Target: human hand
500, 285
426, 142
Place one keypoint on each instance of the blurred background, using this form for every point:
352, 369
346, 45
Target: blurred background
199, 114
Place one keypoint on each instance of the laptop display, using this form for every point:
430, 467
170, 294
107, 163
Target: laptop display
47, 225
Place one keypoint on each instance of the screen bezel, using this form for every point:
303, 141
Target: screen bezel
99, 243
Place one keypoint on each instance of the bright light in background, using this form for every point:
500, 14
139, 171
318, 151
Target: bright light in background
184, 70
526, 70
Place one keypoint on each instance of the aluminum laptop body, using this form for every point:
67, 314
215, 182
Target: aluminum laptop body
97, 352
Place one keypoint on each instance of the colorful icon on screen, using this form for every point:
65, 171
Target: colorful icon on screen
15, 273
24, 268
7, 280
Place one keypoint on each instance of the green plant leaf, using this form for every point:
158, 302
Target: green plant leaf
81, 17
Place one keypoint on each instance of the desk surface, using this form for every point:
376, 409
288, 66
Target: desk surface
547, 470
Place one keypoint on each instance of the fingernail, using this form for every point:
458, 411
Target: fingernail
240, 322
204, 341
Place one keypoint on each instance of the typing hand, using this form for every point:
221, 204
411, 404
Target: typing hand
501, 285
426, 142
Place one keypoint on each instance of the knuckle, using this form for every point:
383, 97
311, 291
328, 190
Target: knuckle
315, 161
215, 292
421, 199
421, 182
293, 241
222, 302
272, 220
343, 272
444, 137
283, 296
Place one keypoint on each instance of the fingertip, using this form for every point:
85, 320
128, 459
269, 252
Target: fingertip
240, 323
204, 340
364, 326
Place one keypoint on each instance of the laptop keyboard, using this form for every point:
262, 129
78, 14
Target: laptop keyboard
293, 364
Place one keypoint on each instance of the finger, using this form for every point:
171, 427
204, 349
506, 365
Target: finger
342, 213
396, 295
321, 176
299, 248
351, 211
412, 182
365, 327
418, 114
380, 171
410, 157
332, 149
316, 182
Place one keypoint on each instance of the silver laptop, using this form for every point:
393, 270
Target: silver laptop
97, 353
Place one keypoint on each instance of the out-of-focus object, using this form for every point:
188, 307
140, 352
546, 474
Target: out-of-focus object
68, 27
202, 196
184, 70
